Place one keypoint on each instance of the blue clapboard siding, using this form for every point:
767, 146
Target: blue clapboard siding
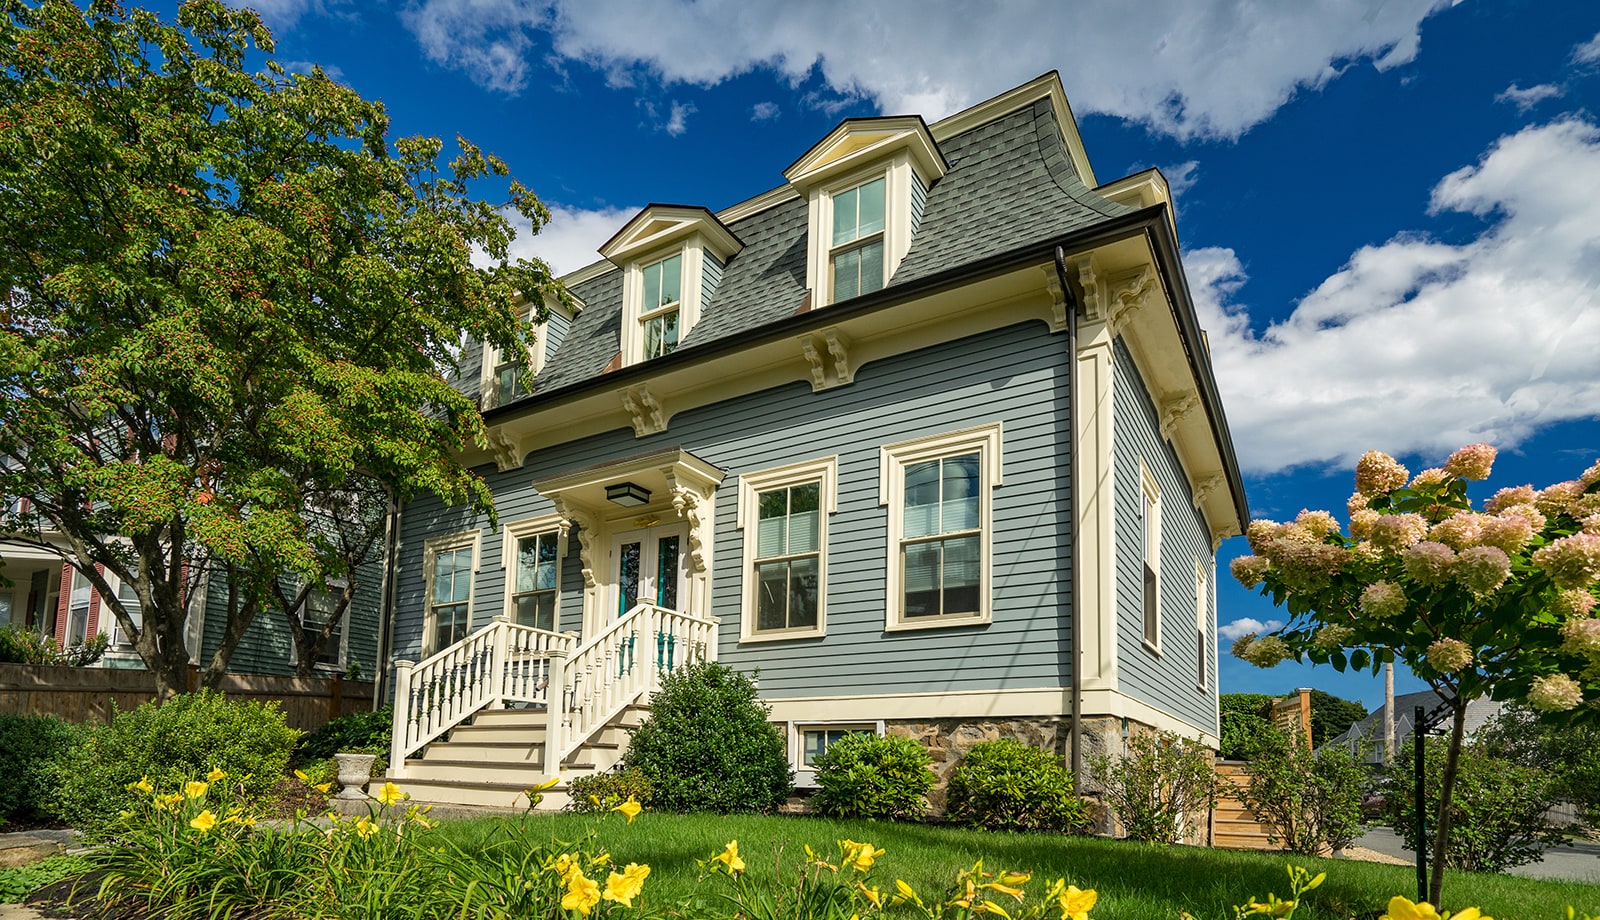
1167, 681
1014, 375
555, 332
710, 277
919, 197
266, 647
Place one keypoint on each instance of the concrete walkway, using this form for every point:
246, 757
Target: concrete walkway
1575, 861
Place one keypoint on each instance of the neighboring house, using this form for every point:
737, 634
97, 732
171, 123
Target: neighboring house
1365, 738
828, 435
49, 596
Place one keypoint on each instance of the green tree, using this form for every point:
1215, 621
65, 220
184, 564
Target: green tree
1332, 715
1569, 754
1494, 601
229, 296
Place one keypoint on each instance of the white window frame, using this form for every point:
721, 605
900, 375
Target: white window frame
74, 607
335, 587
512, 534
806, 777
823, 470
118, 643
1202, 623
860, 241
467, 539
1149, 519
892, 462
693, 252
489, 373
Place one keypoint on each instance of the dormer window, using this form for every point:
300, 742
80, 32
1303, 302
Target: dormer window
866, 183
671, 258
857, 255
504, 378
659, 307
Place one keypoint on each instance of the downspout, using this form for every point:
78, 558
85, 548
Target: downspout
1072, 518
386, 620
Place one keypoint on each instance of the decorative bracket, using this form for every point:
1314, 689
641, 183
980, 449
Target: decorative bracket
690, 504
588, 528
828, 353
1094, 295
1204, 488
648, 415
508, 453
1174, 410
1226, 531
1132, 292
1058, 298
839, 348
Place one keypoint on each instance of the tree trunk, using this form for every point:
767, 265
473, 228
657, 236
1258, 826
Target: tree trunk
1441, 831
241, 611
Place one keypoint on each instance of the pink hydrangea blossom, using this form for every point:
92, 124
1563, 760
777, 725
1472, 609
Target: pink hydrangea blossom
1383, 600
1571, 562
1509, 532
1377, 473
1429, 562
1250, 570
1458, 531
1305, 566
1558, 498
1429, 478
1318, 523
1591, 475
1366, 552
1582, 636
1555, 693
1448, 656
1397, 531
1482, 569
1361, 523
1573, 602
1591, 524
1329, 638
1505, 498
1585, 505
1260, 533
1357, 502
1471, 462
1535, 518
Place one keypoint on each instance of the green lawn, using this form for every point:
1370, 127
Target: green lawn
1135, 882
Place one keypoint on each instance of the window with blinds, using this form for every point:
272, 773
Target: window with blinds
856, 257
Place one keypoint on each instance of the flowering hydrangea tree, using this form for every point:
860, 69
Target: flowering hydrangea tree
1497, 601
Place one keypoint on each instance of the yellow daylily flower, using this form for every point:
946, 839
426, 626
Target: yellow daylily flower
323, 787
194, 789
143, 785
860, 856
365, 827
1076, 902
301, 776
1404, 909
175, 798
390, 794
625, 887
1470, 913
582, 894
1015, 879
730, 857
565, 865
816, 860
630, 808
990, 907
906, 892
547, 784
871, 894
215, 775
204, 821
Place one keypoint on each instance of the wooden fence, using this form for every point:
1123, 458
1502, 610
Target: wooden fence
81, 694
1233, 826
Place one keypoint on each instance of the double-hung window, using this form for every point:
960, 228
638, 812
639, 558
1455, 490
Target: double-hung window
129, 597
856, 256
320, 609
1202, 621
784, 515
940, 521
508, 378
533, 600
78, 603
1150, 569
658, 314
450, 563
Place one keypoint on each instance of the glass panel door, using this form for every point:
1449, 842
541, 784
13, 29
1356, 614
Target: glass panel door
648, 565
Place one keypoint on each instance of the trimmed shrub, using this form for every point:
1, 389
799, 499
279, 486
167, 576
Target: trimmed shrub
1160, 787
863, 775
357, 733
1008, 785
1309, 803
28, 743
709, 745
605, 791
181, 739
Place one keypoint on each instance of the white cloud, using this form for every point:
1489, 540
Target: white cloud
571, 239
1417, 345
1214, 69
677, 122
283, 14
1245, 626
1525, 99
764, 111
1588, 52
1181, 177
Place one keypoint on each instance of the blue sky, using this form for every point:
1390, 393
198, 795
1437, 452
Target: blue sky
1390, 210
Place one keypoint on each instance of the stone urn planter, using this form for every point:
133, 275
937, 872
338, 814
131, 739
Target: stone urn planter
355, 771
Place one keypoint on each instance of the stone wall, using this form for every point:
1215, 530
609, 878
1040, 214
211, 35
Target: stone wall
948, 741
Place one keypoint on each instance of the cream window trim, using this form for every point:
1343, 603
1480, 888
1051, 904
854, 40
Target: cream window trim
896, 171
806, 776
513, 533
488, 372
1202, 623
693, 251
467, 539
893, 459
825, 472
334, 584
1150, 533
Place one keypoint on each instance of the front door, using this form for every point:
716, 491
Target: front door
647, 565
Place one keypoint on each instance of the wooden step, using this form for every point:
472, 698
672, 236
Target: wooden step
529, 717
517, 752
481, 794
476, 771
498, 731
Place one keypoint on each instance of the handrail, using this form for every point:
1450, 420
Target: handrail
503, 661
613, 669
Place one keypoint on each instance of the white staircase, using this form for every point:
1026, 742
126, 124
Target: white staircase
510, 706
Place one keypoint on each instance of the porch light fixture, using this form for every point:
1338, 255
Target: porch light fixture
627, 494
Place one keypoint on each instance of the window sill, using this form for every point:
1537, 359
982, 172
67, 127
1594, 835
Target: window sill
1151, 647
946, 622
759, 638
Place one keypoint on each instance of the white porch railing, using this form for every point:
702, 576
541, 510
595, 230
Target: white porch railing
590, 684
503, 662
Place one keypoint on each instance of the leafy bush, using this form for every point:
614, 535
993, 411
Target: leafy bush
1244, 717
21, 645
604, 791
1309, 802
708, 744
1497, 807
1160, 787
28, 743
863, 775
356, 733
17, 882
1569, 753
1008, 785
187, 736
